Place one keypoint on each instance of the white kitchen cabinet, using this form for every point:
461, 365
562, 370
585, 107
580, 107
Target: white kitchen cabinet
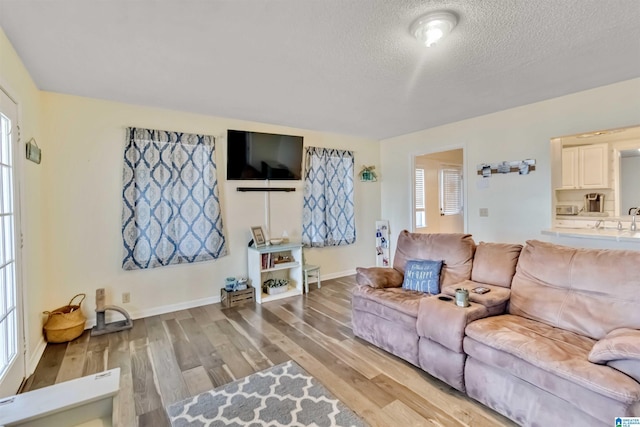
570, 167
585, 167
278, 262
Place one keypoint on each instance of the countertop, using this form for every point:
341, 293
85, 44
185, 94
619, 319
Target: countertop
622, 218
624, 235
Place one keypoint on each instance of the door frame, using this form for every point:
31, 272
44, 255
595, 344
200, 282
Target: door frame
19, 219
412, 190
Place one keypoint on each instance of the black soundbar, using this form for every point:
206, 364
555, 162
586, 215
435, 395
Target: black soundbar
282, 189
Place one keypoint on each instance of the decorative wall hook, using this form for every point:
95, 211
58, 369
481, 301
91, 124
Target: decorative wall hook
367, 174
33, 151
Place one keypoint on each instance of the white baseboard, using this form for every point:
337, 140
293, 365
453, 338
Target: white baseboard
35, 357
337, 274
154, 311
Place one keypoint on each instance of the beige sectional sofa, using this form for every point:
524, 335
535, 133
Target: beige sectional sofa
555, 342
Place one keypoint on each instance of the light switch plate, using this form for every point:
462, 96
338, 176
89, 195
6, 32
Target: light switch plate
484, 211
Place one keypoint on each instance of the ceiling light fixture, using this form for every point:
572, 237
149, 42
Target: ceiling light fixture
433, 27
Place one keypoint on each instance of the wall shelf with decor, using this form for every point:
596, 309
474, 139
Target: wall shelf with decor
521, 167
281, 261
367, 174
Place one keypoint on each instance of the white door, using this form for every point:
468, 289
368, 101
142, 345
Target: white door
12, 357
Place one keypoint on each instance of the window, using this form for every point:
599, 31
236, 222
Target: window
450, 190
171, 209
8, 304
421, 221
328, 217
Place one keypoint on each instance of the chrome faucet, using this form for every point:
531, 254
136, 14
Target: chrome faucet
619, 225
633, 223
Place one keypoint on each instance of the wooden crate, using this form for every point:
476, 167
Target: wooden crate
233, 298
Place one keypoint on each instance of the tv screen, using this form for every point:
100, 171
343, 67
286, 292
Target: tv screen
255, 155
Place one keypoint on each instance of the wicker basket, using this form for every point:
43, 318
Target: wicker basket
65, 323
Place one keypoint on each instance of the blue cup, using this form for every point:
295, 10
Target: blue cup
230, 284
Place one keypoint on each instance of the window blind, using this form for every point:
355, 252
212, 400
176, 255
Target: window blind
419, 198
419, 188
450, 190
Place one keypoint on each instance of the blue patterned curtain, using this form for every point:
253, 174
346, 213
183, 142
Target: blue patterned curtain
171, 210
328, 217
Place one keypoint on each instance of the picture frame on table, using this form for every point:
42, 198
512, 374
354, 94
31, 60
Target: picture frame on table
259, 239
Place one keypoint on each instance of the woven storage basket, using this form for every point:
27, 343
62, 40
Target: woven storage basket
65, 323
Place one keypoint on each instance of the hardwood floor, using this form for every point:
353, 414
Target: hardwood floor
170, 357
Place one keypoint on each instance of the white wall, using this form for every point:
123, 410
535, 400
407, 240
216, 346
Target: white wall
71, 205
16, 81
519, 205
83, 167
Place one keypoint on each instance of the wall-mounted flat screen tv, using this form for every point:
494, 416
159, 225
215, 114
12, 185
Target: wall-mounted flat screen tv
255, 155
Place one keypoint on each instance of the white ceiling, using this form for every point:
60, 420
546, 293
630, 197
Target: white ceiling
344, 66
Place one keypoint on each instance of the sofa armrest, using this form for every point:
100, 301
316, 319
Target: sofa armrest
379, 277
619, 349
619, 344
444, 322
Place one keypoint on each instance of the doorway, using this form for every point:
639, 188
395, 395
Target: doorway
12, 357
438, 192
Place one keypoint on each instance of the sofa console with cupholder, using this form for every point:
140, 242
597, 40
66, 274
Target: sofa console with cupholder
556, 340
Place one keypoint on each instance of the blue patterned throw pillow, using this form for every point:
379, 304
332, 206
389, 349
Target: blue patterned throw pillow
422, 276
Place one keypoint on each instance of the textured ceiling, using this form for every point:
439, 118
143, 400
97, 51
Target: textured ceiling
345, 66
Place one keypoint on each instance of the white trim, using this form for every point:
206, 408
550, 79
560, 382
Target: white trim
3, 88
337, 274
154, 311
19, 215
35, 357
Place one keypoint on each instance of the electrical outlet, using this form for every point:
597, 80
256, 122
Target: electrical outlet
484, 211
126, 297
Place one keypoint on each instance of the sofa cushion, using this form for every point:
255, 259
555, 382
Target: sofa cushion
393, 304
587, 291
619, 344
557, 351
495, 263
497, 295
456, 250
422, 276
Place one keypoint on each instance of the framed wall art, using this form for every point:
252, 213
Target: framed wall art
259, 238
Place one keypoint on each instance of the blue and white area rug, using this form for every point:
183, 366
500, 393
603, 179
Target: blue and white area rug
284, 395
